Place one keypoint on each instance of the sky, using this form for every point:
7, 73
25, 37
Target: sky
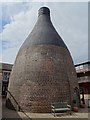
17, 20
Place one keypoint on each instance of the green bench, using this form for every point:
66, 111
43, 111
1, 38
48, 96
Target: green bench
60, 107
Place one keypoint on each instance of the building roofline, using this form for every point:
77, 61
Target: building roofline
6, 66
5, 63
83, 63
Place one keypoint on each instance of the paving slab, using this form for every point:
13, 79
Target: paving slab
8, 114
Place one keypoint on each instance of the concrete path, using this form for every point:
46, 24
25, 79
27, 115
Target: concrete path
83, 114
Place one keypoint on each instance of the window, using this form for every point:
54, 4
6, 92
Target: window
6, 76
85, 66
77, 68
89, 65
81, 66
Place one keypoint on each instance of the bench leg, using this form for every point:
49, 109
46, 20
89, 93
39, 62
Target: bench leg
70, 112
54, 114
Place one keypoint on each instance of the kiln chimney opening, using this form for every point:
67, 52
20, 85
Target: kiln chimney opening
44, 10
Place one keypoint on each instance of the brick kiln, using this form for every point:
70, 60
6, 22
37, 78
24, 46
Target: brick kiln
43, 71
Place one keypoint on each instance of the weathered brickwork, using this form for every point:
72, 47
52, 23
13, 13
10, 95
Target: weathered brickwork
48, 75
42, 74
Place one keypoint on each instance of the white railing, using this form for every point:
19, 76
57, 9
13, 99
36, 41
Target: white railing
82, 69
84, 78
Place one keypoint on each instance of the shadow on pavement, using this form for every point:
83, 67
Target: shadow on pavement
8, 114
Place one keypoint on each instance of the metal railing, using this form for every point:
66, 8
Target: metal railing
84, 78
18, 106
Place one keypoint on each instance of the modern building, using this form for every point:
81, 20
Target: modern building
5, 70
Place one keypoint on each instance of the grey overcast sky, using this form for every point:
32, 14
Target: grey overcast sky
69, 18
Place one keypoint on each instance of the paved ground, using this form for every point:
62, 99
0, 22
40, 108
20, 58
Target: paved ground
83, 114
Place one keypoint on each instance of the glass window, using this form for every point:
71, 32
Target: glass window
6, 76
81, 66
77, 68
89, 65
85, 66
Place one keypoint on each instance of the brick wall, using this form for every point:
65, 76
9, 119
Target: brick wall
42, 74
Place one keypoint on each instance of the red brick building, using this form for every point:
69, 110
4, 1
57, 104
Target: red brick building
83, 75
5, 70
